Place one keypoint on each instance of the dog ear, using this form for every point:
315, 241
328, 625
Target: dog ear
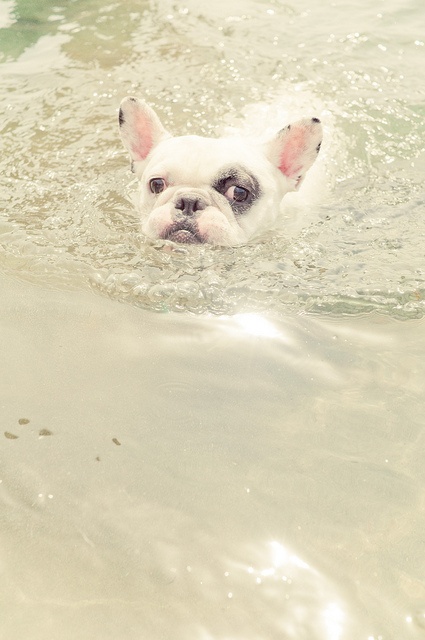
140, 128
295, 148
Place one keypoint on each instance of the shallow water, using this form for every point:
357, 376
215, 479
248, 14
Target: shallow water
250, 467
357, 244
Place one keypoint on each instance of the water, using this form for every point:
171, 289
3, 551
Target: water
357, 247
251, 466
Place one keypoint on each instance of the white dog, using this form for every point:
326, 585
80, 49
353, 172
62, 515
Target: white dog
219, 191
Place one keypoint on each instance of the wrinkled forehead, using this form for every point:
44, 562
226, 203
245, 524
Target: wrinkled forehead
193, 159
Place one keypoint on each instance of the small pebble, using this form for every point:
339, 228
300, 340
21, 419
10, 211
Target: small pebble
45, 432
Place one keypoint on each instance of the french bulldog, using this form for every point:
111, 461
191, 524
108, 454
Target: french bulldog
221, 191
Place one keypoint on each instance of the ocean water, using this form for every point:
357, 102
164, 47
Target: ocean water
205, 442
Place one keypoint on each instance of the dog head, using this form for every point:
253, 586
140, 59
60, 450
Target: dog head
219, 191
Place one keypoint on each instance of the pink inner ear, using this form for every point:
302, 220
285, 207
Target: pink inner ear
144, 140
292, 152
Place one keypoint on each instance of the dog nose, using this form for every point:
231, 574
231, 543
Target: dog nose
189, 205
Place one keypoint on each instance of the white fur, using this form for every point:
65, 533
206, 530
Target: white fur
189, 165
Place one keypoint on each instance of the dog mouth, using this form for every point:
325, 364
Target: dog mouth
183, 233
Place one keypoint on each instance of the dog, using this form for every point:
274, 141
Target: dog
221, 191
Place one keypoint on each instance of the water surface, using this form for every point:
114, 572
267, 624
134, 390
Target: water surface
250, 467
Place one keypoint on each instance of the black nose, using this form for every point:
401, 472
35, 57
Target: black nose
189, 205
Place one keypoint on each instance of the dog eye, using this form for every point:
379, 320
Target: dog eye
156, 185
237, 194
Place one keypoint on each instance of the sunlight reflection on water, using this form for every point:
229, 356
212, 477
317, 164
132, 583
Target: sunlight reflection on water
250, 467
257, 325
